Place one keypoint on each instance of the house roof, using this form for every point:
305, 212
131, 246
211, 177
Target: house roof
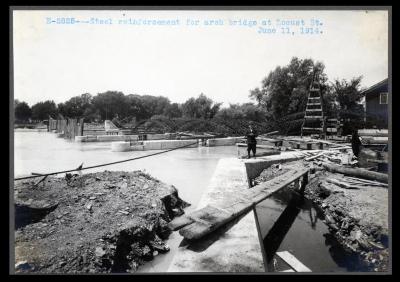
375, 86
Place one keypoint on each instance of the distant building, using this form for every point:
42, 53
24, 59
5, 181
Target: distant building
376, 105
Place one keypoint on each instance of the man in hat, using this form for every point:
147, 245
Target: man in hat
251, 141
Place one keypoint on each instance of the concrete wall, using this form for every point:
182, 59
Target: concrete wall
255, 166
228, 141
260, 151
122, 137
261, 141
123, 146
106, 138
164, 136
168, 144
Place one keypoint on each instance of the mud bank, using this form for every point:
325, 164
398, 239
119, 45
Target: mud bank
357, 218
93, 223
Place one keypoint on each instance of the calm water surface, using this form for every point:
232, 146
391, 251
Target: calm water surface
189, 169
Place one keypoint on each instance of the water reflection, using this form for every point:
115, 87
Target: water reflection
278, 231
289, 222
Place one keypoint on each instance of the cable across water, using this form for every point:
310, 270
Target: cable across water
105, 164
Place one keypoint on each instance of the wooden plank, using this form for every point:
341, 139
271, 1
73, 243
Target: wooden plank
204, 221
293, 262
179, 222
342, 184
365, 181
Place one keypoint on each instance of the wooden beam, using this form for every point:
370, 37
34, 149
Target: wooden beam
204, 221
362, 173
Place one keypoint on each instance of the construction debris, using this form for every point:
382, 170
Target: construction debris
359, 172
353, 200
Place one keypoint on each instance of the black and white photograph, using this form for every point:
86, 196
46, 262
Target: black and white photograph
177, 140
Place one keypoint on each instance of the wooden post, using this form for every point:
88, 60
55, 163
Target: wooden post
82, 127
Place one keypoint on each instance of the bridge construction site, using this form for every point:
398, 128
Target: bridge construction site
68, 221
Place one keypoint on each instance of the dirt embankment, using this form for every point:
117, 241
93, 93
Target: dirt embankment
358, 218
92, 223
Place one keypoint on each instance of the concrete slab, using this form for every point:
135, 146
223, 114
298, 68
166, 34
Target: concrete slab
106, 138
163, 136
236, 247
228, 141
255, 166
169, 144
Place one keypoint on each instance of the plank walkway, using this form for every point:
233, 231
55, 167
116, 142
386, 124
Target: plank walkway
209, 218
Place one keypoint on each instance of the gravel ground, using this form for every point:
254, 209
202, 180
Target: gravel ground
92, 223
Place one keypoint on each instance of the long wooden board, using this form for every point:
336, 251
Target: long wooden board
204, 221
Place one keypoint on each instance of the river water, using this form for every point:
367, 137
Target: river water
189, 169
290, 222
286, 223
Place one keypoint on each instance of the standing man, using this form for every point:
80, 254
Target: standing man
355, 143
251, 141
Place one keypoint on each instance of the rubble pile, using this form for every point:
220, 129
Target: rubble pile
355, 209
356, 215
93, 223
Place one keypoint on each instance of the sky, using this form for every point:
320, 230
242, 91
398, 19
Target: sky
223, 61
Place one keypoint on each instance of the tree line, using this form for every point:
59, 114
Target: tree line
280, 100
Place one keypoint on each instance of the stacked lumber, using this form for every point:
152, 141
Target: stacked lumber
332, 157
348, 182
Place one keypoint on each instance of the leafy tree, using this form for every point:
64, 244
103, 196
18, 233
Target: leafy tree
153, 105
22, 111
200, 107
76, 106
247, 111
348, 96
348, 93
42, 110
284, 91
173, 111
111, 103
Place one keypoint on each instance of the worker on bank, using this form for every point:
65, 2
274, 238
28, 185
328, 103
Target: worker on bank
355, 143
251, 141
